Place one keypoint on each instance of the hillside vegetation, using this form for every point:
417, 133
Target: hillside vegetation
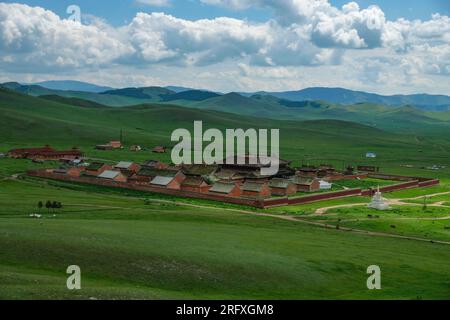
139, 245
30, 121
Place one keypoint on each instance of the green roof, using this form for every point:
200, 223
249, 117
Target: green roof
161, 181
228, 174
200, 170
279, 183
94, 166
221, 187
109, 174
193, 181
151, 172
302, 180
253, 186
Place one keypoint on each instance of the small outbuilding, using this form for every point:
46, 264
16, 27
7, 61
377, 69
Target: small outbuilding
159, 149
127, 167
282, 187
75, 171
306, 171
324, 185
169, 182
135, 148
230, 189
306, 184
113, 176
226, 175
195, 184
202, 170
155, 164
256, 189
96, 168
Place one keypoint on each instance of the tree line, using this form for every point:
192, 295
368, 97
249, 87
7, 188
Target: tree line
49, 205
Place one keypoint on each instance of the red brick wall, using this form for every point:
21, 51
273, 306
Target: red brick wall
278, 191
134, 167
236, 192
429, 183
230, 199
107, 183
324, 196
75, 171
174, 185
400, 186
101, 170
390, 177
346, 177
120, 178
290, 190
202, 188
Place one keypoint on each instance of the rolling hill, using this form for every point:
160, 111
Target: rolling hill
154, 94
71, 85
30, 121
151, 237
73, 101
262, 106
190, 95
112, 100
345, 96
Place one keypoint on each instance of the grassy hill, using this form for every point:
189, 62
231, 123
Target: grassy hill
131, 249
72, 86
105, 99
30, 121
73, 101
348, 97
195, 249
149, 93
399, 119
190, 95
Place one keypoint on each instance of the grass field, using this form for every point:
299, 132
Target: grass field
129, 249
139, 245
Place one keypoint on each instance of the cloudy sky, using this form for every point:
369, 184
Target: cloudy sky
384, 46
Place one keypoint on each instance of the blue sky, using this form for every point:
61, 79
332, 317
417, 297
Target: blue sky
118, 12
384, 46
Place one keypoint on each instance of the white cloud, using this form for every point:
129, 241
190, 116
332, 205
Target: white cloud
34, 37
158, 36
345, 46
155, 3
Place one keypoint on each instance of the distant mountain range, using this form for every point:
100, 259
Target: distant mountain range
345, 96
330, 95
308, 104
72, 86
403, 118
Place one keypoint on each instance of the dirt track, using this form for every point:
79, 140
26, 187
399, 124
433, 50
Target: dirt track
296, 218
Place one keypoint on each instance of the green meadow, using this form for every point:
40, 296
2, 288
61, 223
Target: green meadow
135, 245
128, 248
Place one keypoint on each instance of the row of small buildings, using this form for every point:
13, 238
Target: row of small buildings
45, 153
116, 144
242, 180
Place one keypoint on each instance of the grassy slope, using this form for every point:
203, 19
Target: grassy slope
29, 121
400, 119
167, 251
106, 99
164, 251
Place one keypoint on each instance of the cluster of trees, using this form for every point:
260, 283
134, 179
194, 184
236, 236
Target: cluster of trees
50, 205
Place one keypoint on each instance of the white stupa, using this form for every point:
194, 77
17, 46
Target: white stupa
378, 202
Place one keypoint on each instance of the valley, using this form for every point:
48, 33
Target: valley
171, 247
